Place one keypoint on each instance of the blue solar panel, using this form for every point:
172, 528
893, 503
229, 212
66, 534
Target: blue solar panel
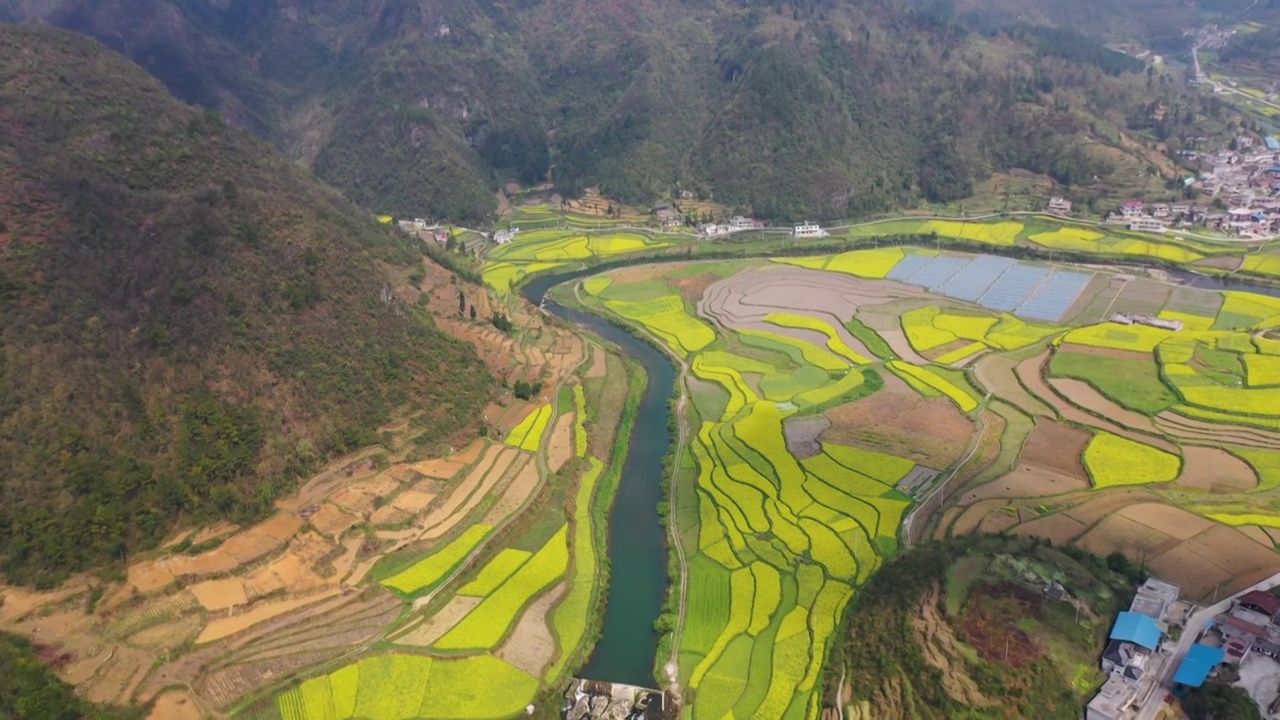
938, 271
1054, 296
907, 266
1013, 287
974, 279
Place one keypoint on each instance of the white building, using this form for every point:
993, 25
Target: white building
1113, 701
713, 230
809, 230
1146, 224
502, 237
1059, 206
741, 223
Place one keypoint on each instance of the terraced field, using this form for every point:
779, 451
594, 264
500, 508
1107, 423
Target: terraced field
1166, 428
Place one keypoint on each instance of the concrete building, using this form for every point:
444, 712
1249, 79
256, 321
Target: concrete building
1146, 224
1059, 206
809, 230
1112, 702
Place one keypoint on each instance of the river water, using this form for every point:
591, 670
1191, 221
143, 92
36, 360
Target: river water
637, 541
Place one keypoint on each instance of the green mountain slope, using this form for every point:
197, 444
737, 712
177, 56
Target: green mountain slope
191, 322
821, 108
965, 629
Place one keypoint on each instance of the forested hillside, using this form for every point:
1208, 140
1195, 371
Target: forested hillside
814, 108
190, 322
966, 629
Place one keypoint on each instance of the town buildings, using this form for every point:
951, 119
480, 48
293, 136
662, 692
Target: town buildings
1131, 660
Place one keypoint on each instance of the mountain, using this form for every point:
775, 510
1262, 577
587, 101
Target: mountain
814, 108
191, 321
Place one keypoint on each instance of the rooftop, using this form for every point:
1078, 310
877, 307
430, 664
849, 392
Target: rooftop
1113, 698
1263, 602
1137, 628
1200, 661
1154, 598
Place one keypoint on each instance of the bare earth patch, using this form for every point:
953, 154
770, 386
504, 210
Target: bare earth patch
175, 705
1216, 470
217, 595
531, 646
898, 421
1083, 394
560, 444
1172, 521
1056, 528
517, 492
442, 622
1119, 533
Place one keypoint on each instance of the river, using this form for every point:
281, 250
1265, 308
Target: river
637, 540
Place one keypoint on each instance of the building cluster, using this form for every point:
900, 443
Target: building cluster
735, 224
1132, 661
424, 230
1246, 181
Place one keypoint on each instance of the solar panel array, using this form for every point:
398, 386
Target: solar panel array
973, 279
1054, 296
997, 283
939, 270
908, 266
1013, 287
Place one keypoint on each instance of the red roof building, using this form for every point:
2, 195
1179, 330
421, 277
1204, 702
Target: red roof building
1259, 601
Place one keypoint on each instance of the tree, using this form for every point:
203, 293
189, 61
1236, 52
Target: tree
1217, 701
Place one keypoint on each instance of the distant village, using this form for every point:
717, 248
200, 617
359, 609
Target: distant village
1239, 186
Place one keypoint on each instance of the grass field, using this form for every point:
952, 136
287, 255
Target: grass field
1113, 460
1133, 383
432, 569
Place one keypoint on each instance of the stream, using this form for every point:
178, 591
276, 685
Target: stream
637, 540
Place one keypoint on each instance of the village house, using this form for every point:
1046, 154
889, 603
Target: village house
1142, 223
710, 230
808, 230
738, 223
1132, 208
667, 216
1130, 655
1059, 206
502, 237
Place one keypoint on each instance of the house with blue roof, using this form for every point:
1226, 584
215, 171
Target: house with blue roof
1200, 661
1133, 638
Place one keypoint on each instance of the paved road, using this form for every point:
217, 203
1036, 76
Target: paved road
1191, 630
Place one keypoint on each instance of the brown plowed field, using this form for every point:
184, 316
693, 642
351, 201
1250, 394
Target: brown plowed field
995, 373
560, 445
442, 622
517, 492
1174, 522
332, 521
1215, 470
931, 431
1056, 528
1083, 394
1130, 537
532, 646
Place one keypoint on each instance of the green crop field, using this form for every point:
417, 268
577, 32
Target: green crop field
1133, 383
432, 569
